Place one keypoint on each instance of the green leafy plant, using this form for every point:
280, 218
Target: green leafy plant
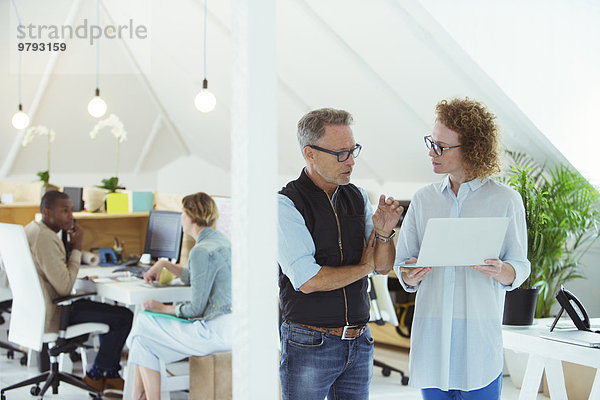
563, 221
44, 177
111, 184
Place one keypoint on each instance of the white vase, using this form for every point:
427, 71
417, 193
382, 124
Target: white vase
93, 199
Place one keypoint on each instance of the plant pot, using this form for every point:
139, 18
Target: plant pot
93, 199
519, 306
48, 188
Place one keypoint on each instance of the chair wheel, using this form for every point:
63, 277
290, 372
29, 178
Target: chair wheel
35, 390
10, 354
23, 360
405, 380
74, 356
386, 371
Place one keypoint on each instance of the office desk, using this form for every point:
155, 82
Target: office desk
547, 355
130, 293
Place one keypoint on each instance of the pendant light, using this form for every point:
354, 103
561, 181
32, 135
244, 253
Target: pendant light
20, 119
205, 101
97, 106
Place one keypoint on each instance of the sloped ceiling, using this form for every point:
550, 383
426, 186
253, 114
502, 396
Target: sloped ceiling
388, 62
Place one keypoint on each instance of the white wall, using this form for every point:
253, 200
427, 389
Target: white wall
146, 181
586, 289
544, 55
191, 174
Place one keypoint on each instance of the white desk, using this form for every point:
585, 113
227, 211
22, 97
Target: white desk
548, 354
131, 294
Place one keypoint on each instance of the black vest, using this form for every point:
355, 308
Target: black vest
334, 247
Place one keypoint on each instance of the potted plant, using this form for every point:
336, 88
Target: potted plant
111, 184
563, 221
30, 134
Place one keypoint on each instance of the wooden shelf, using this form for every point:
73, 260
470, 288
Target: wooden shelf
20, 205
86, 215
101, 229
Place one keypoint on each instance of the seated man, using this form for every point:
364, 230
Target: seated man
57, 268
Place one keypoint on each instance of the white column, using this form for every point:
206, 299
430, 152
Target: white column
254, 186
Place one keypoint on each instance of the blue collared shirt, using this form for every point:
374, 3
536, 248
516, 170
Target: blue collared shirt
456, 337
296, 246
209, 274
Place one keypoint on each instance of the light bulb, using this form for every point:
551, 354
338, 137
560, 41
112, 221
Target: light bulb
205, 101
97, 107
20, 120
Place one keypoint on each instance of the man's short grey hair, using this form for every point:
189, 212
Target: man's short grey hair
311, 127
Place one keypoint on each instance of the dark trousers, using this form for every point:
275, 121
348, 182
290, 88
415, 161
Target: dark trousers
118, 318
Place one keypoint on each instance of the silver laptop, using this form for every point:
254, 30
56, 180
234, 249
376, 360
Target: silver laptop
580, 338
461, 241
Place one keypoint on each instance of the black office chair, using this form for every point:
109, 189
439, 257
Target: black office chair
377, 318
5, 308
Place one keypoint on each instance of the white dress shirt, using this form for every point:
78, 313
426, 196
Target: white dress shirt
456, 337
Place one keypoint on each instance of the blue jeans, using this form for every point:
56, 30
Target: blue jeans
490, 392
314, 365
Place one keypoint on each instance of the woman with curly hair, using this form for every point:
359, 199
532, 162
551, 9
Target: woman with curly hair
456, 341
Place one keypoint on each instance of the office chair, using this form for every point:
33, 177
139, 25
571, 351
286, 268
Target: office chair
382, 311
28, 316
5, 308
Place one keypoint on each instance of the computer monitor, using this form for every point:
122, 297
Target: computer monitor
75, 194
163, 236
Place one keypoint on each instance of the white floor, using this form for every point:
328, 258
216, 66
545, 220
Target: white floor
388, 388
12, 372
382, 388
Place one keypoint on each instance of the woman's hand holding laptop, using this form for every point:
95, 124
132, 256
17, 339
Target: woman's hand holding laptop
412, 276
497, 269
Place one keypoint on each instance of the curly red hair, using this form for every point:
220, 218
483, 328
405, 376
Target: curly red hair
478, 134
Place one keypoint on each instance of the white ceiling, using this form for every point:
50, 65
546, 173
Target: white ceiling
386, 61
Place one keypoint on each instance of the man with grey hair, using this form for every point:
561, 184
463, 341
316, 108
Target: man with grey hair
329, 241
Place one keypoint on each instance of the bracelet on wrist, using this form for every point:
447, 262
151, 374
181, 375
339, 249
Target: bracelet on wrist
385, 239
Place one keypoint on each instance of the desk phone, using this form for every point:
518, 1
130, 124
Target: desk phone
569, 302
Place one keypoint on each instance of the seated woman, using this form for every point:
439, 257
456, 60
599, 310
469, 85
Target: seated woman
207, 327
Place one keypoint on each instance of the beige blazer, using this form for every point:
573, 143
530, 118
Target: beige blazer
57, 277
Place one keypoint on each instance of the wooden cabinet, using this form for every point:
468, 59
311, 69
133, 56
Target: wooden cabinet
100, 230
18, 213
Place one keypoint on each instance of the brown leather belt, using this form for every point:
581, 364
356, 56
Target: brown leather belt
347, 332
